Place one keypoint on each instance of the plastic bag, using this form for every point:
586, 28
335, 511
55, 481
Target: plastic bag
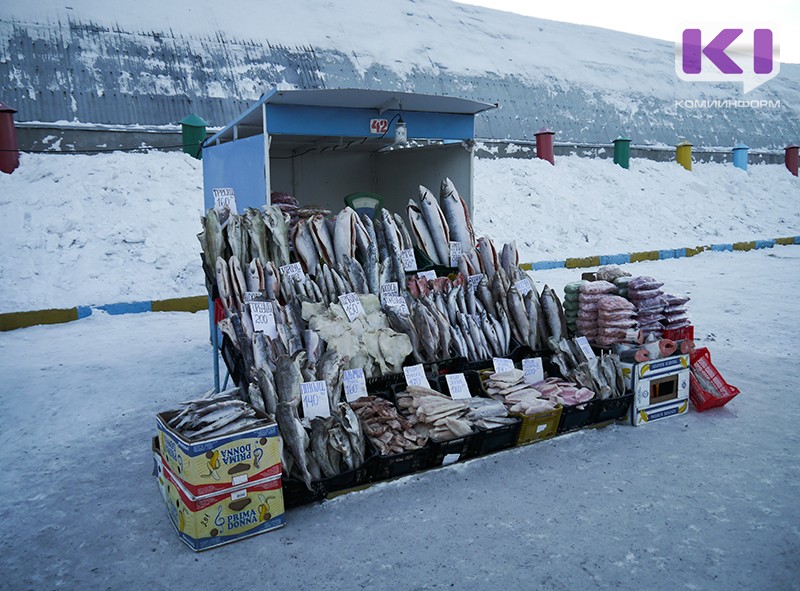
597, 287
644, 282
613, 302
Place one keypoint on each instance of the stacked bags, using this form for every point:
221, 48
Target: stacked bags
572, 305
591, 292
616, 322
675, 313
646, 295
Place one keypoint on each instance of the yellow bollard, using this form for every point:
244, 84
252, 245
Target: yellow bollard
683, 154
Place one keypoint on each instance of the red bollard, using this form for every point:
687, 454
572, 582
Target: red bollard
544, 145
9, 150
791, 159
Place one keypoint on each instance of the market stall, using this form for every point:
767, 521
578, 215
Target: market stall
366, 345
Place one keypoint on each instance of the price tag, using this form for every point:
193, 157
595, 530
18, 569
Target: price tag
378, 126
224, 198
254, 296
583, 343
408, 259
429, 275
415, 376
474, 280
239, 494
450, 459
457, 384
263, 316
398, 303
533, 370
315, 399
352, 305
389, 289
455, 253
292, 270
355, 385
501, 364
524, 286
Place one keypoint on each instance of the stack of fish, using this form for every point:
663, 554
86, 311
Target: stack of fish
602, 375
675, 312
572, 305
367, 341
388, 431
510, 388
591, 292
645, 292
441, 418
616, 322
216, 414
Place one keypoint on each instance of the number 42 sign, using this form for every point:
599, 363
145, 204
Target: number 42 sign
378, 126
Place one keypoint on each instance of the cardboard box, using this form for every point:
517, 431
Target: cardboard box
214, 465
660, 387
224, 517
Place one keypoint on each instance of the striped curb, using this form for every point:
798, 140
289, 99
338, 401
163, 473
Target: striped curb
655, 255
14, 320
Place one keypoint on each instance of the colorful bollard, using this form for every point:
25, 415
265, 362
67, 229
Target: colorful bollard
544, 145
791, 158
622, 151
193, 133
9, 150
683, 154
740, 156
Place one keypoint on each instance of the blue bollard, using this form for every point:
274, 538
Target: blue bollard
740, 156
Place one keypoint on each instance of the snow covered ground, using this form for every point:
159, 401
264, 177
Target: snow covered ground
89, 230
701, 501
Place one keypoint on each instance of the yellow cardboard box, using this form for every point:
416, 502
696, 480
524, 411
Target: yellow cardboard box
213, 465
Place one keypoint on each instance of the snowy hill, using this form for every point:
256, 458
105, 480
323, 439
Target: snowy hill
84, 230
153, 62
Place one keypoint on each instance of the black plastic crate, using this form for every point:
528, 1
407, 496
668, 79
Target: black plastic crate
424, 263
233, 360
387, 383
496, 439
296, 494
393, 466
461, 446
472, 378
576, 417
612, 409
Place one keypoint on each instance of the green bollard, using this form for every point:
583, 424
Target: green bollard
193, 134
622, 151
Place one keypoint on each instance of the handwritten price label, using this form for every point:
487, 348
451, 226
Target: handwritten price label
408, 259
352, 306
429, 275
224, 198
455, 253
415, 376
524, 286
292, 270
533, 370
254, 296
583, 343
474, 280
389, 289
355, 385
263, 316
314, 396
397, 303
457, 384
501, 364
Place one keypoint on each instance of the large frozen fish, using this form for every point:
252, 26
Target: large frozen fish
254, 225
344, 234
211, 239
278, 240
421, 232
437, 224
294, 437
237, 238
304, 248
488, 256
322, 238
457, 215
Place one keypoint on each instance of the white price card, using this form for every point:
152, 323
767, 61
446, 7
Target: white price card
583, 343
263, 316
224, 198
455, 253
292, 270
523, 286
408, 259
532, 370
450, 459
429, 275
474, 280
397, 303
254, 296
457, 384
314, 396
352, 305
355, 385
389, 289
415, 376
501, 364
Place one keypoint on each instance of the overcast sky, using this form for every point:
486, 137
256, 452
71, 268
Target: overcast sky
663, 20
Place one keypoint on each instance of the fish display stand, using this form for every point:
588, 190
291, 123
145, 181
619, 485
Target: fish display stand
660, 388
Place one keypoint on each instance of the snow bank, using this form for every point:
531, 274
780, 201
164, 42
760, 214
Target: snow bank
85, 230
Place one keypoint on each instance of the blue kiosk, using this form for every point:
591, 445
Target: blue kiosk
323, 145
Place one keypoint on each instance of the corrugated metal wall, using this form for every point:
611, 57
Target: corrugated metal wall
82, 72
